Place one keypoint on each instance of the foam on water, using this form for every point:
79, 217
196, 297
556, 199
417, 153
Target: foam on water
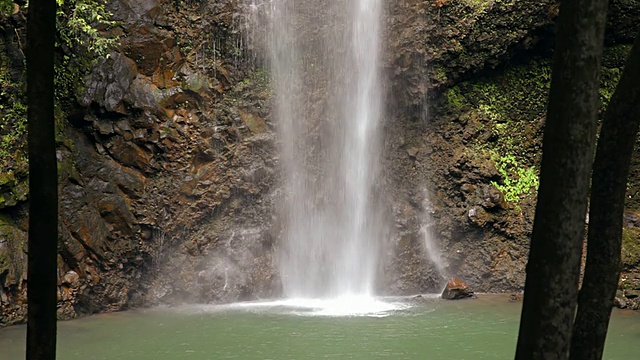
343, 306
348, 305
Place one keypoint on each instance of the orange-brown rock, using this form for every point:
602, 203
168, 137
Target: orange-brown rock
456, 289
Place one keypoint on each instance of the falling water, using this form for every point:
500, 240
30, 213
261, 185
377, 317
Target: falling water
324, 59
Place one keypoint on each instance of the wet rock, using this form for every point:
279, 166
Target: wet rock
141, 95
631, 220
71, 278
255, 124
620, 302
492, 198
457, 289
413, 153
478, 216
109, 82
146, 51
419, 299
631, 294
133, 12
468, 188
114, 211
130, 154
176, 98
104, 127
515, 297
197, 83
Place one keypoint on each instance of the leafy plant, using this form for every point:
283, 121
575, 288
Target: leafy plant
80, 43
6, 7
13, 112
517, 181
79, 25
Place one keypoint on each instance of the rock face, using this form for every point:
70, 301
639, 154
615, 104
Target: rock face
169, 166
456, 289
166, 170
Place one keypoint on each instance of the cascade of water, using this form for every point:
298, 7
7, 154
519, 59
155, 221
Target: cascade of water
324, 59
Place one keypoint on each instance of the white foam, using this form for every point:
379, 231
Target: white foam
342, 306
349, 305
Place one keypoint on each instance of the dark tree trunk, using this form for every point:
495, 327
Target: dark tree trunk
610, 171
553, 269
43, 189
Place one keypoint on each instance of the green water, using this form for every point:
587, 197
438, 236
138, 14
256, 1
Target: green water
485, 328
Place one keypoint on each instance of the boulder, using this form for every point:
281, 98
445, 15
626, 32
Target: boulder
457, 289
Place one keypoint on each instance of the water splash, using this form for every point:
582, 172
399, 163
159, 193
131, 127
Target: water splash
343, 306
348, 305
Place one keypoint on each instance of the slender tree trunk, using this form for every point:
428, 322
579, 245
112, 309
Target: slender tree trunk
553, 269
610, 171
43, 190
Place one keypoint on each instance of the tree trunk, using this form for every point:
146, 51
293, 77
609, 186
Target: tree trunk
43, 189
610, 171
553, 269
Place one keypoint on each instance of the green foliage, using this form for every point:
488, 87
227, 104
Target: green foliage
510, 106
517, 181
13, 127
454, 100
13, 130
77, 22
517, 99
81, 42
512, 103
6, 7
260, 80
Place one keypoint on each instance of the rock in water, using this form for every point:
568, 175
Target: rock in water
456, 289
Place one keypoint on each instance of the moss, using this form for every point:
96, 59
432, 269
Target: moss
13, 188
439, 74
67, 170
21, 190
630, 247
259, 81
480, 6
507, 110
455, 102
11, 246
510, 107
13, 111
4, 260
7, 179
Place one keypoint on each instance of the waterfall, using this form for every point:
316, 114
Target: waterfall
325, 60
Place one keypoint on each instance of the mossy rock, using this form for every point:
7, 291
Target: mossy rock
4, 259
507, 109
12, 190
630, 247
12, 242
7, 200
7, 179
